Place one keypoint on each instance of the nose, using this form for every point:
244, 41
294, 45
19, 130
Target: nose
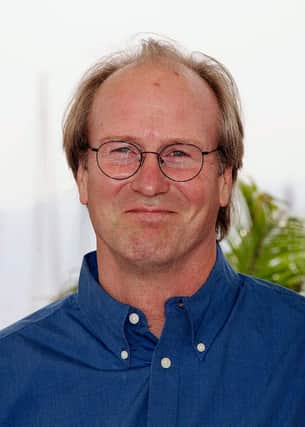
149, 180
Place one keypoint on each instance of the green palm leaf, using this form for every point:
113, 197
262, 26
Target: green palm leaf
267, 242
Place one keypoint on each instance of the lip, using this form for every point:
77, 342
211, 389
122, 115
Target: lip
149, 215
149, 210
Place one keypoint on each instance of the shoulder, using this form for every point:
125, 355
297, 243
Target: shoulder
30, 345
272, 302
272, 291
31, 348
39, 320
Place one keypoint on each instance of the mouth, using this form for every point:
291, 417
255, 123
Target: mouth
149, 210
150, 214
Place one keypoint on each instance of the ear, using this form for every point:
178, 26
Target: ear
225, 187
82, 183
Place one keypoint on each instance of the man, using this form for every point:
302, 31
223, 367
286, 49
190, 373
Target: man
162, 331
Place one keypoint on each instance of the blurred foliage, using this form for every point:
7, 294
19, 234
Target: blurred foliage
267, 242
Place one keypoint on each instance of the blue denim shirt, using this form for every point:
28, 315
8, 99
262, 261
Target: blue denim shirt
231, 355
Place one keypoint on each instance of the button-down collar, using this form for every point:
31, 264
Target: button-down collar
208, 309
105, 315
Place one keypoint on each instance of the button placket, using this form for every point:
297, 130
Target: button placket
165, 367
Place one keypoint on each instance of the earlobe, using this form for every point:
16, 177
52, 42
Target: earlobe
226, 183
82, 183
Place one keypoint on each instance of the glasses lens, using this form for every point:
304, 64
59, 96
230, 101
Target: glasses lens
181, 162
118, 159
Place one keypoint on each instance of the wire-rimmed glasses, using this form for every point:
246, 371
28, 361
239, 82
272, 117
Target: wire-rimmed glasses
121, 160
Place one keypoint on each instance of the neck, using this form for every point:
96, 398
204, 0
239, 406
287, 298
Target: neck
147, 287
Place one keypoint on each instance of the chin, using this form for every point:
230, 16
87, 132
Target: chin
149, 256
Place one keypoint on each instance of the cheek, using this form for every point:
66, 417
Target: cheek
201, 191
103, 193
203, 201
100, 206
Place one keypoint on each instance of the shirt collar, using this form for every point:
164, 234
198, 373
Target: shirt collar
105, 315
208, 309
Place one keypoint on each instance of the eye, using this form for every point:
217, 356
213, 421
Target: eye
123, 149
177, 153
119, 149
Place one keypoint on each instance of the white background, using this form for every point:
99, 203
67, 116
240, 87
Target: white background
45, 46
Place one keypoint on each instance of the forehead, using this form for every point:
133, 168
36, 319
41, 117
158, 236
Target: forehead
154, 96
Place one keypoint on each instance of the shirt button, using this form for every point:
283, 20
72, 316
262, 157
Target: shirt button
134, 318
124, 354
201, 347
166, 362
180, 304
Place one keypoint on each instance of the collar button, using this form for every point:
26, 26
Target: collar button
166, 362
200, 347
134, 318
124, 355
180, 304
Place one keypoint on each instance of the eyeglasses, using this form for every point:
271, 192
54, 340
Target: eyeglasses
178, 162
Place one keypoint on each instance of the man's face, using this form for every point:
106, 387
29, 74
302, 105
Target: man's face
148, 219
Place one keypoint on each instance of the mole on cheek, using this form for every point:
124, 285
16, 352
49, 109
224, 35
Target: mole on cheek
156, 84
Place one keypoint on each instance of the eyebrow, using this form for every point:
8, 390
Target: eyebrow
135, 140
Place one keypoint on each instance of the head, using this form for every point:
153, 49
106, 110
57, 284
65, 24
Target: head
152, 52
